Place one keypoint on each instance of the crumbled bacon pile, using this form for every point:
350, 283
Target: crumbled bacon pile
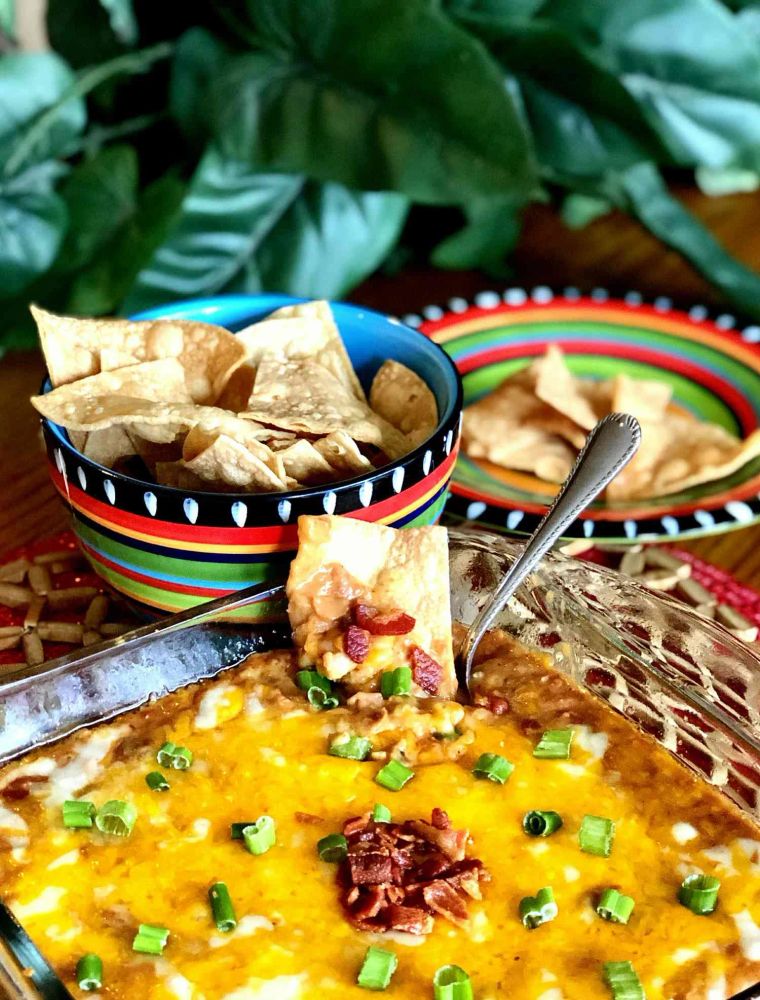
367, 621
400, 876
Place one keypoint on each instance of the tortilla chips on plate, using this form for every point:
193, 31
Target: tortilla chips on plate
537, 420
276, 407
364, 598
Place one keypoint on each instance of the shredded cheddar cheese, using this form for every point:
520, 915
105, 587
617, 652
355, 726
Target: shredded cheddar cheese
78, 890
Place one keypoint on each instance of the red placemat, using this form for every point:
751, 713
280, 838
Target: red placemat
63, 569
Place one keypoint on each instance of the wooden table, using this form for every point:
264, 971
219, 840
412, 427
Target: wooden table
613, 252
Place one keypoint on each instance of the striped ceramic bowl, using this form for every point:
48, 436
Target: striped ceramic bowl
167, 549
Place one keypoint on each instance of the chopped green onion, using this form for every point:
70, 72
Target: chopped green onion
116, 817
394, 775
494, 767
307, 679
396, 682
319, 700
157, 782
614, 906
377, 969
596, 835
554, 744
261, 835
222, 908
699, 893
333, 847
541, 823
451, 982
78, 813
353, 748
150, 939
170, 755
381, 813
538, 909
622, 980
89, 972
236, 829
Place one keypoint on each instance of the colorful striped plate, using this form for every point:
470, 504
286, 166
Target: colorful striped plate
712, 363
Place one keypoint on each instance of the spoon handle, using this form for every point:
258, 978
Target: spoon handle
609, 446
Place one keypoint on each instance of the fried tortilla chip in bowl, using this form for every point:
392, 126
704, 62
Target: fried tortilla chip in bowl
186, 454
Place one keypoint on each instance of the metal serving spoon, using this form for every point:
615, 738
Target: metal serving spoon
609, 447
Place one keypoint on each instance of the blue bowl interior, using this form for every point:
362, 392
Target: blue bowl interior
370, 337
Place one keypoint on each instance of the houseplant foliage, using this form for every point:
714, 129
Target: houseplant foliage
163, 151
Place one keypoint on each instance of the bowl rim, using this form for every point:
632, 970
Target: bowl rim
307, 492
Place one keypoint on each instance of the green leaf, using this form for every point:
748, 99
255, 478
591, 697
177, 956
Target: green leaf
715, 182
102, 286
375, 95
490, 235
8, 17
31, 83
57, 118
32, 224
645, 195
580, 210
121, 17
493, 8
101, 197
330, 239
198, 59
82, 31
691, 66
244, 230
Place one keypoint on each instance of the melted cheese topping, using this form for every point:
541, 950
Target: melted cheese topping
77, 890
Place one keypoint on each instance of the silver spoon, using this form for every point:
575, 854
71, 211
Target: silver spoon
609, 447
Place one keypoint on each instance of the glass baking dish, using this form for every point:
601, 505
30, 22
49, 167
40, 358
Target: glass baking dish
673, 673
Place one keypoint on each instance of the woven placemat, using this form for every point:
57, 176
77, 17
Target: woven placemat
51, 602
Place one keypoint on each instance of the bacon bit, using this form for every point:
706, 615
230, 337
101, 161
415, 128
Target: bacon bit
443, 898
450, 842
392, 623
495, 703
440, 819
356, 643
308, 818
409, 919
20, 788
426, 673
399, 876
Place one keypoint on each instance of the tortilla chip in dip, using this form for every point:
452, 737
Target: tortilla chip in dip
75, 348
401, 397
365, 599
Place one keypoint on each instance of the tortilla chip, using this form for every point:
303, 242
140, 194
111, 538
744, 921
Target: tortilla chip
176, 474
303, 396
341, 561
648, 402
401, 397
685, 452
305, 464
343, 454
227, 461
304, 330
77, 348
100, 400
204, 434
108, 445
507, 427
555, 385
237, 392
78, 439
